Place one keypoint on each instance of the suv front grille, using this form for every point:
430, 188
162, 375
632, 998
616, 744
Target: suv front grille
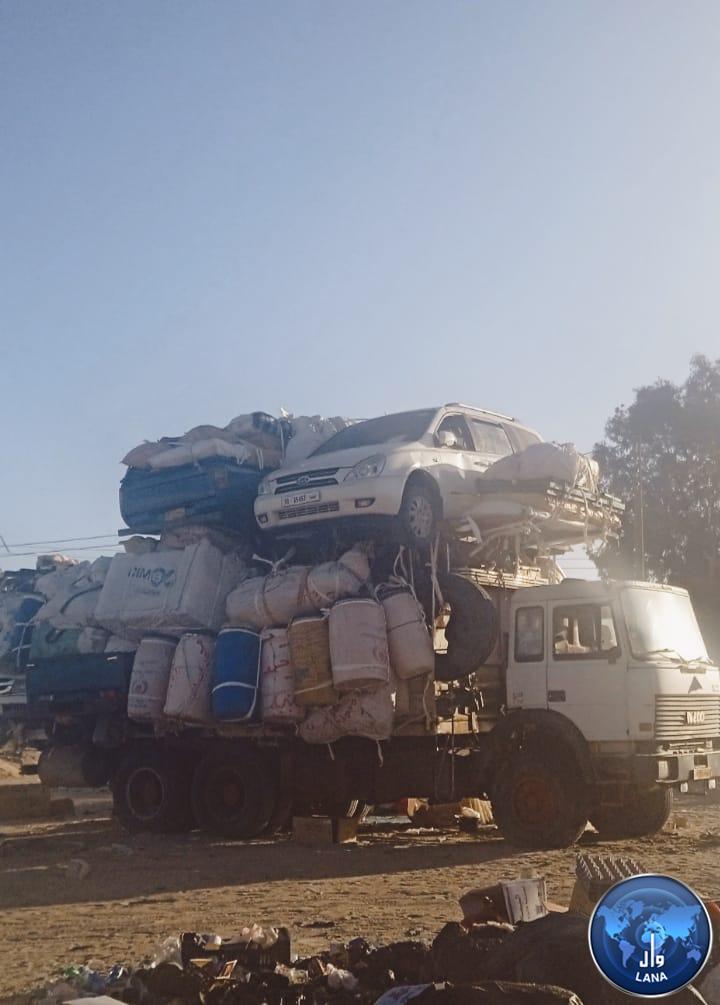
306, 480
686, 717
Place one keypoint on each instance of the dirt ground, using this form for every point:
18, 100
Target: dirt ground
396, 882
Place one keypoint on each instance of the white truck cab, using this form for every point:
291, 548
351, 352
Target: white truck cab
610, 688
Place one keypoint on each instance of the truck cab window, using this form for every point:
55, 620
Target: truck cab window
584, 631
529, 634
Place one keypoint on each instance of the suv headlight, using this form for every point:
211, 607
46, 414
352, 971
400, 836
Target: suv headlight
265, 487
371, 467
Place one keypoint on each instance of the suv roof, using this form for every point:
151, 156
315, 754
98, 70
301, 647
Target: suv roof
483, 411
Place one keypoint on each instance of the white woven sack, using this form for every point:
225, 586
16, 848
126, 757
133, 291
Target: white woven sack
190, 681
358, 644
366, 713
332, 581
278, 680
409, 642
171, 591
359, 713
149, 678
270, 601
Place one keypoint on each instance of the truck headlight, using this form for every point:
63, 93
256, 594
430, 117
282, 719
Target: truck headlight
371, 467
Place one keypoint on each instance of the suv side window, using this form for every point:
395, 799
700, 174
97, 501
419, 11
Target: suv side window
456, 424
584, 631
490, 439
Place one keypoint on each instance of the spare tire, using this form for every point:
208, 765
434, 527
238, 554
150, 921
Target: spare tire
472, 631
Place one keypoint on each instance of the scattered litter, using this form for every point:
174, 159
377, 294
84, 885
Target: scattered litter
77, 868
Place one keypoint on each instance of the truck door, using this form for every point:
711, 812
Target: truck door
586, 677
527, 657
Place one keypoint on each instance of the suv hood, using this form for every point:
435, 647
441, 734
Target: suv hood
338, 459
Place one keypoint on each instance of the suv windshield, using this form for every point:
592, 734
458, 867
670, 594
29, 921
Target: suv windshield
662, 624
404, 427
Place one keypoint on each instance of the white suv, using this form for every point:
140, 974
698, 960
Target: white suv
417, 467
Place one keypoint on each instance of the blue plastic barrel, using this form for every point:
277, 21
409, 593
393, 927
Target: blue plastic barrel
236, 676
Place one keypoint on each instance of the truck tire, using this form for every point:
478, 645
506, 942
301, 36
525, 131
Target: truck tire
643, 811
539, 800
472, 631
234, 793
151, 792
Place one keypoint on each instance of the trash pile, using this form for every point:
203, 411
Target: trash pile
510, 949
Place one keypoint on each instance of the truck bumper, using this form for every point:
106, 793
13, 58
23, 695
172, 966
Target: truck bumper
676, 768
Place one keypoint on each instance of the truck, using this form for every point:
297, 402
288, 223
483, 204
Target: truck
597, 702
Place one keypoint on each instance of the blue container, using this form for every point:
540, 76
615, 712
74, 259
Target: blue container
236, 676
91, 677
216, 490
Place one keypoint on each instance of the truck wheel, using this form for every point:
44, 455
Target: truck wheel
643, 811
234, 793
539, 801
151, 792
419, 512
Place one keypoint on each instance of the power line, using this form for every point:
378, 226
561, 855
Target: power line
90, 547
58, 540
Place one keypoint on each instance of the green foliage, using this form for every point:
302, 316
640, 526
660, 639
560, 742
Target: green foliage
667, 445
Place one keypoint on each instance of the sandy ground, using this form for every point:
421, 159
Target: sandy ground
393, 883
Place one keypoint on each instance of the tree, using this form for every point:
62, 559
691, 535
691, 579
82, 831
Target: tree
661, 454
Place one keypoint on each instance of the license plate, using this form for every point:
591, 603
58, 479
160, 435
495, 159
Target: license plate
299, 499
701, 773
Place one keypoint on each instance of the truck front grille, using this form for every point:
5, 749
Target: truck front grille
681, 718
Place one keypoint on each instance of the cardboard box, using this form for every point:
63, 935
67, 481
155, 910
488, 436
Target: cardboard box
324, 830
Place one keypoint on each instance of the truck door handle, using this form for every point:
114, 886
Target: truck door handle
556, 696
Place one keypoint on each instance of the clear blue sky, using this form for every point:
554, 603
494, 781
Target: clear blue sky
213, 206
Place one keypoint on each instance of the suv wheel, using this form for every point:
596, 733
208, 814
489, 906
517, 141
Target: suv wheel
419, 512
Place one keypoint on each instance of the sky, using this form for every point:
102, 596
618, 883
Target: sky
214, 206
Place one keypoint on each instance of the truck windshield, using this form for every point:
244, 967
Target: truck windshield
405, 427
662, 624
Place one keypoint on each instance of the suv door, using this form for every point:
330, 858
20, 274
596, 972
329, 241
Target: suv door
453, 467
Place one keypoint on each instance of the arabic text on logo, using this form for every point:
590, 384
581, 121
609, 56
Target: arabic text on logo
650, 935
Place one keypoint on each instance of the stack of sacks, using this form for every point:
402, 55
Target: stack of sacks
168, 591
360, 666
256, 660
375, 649
273, 601
64, 625
255, 440
308, 432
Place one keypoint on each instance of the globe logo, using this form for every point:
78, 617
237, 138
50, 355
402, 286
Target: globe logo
650, 936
